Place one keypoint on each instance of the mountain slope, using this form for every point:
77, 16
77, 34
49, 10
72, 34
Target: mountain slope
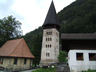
79, 17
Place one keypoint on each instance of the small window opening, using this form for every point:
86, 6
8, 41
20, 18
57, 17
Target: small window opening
79, 56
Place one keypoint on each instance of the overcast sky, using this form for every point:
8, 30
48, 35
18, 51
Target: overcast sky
31, 13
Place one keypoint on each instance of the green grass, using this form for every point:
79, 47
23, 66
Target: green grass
90, 71
45, 70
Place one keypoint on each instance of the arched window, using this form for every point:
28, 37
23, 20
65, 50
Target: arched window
49, 33
50, 39
50, 45
46, 46
47, 54
46, 39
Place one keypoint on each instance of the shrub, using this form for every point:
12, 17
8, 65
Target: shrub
62, 56
45, 70
90, 71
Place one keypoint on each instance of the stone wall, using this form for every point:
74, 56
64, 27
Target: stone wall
53, 50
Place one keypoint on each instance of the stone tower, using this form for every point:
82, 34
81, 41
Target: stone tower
50, 42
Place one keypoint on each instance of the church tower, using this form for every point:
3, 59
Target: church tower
50, 42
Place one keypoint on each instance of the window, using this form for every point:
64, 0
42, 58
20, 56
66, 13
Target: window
50, 45
25, 60
49, 33
47, 54
15, 60
92, 56
48, 39
46, 46
1, 60
79, 56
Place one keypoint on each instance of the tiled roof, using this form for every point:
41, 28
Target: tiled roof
16, 48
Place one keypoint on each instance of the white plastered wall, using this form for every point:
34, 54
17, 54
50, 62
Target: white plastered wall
77, 65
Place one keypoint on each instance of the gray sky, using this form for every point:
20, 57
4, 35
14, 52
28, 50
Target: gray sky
31, 13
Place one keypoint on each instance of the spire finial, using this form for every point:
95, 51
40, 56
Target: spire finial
51, 18
52, 1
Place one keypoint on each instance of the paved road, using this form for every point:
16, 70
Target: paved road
27, 71
24, 71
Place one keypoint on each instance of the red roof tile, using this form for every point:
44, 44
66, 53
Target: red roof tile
16, 48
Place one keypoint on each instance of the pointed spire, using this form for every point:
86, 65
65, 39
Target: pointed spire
51, 18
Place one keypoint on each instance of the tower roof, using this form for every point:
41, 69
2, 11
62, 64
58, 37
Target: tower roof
51, 17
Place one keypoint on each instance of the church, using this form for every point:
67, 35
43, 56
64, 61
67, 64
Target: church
81, 47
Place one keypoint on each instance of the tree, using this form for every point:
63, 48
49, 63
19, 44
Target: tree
62, 56
10, 28
34, 42
78, 17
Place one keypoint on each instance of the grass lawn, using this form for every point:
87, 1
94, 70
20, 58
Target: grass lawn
45, 70
90, 71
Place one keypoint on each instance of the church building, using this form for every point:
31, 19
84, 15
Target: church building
81, 47
50, 42
16, 55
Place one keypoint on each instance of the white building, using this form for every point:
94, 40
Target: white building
82, 60
81, 50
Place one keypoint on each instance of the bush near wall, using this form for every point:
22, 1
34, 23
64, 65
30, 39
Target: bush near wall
45, 70
90, 71
62, 56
